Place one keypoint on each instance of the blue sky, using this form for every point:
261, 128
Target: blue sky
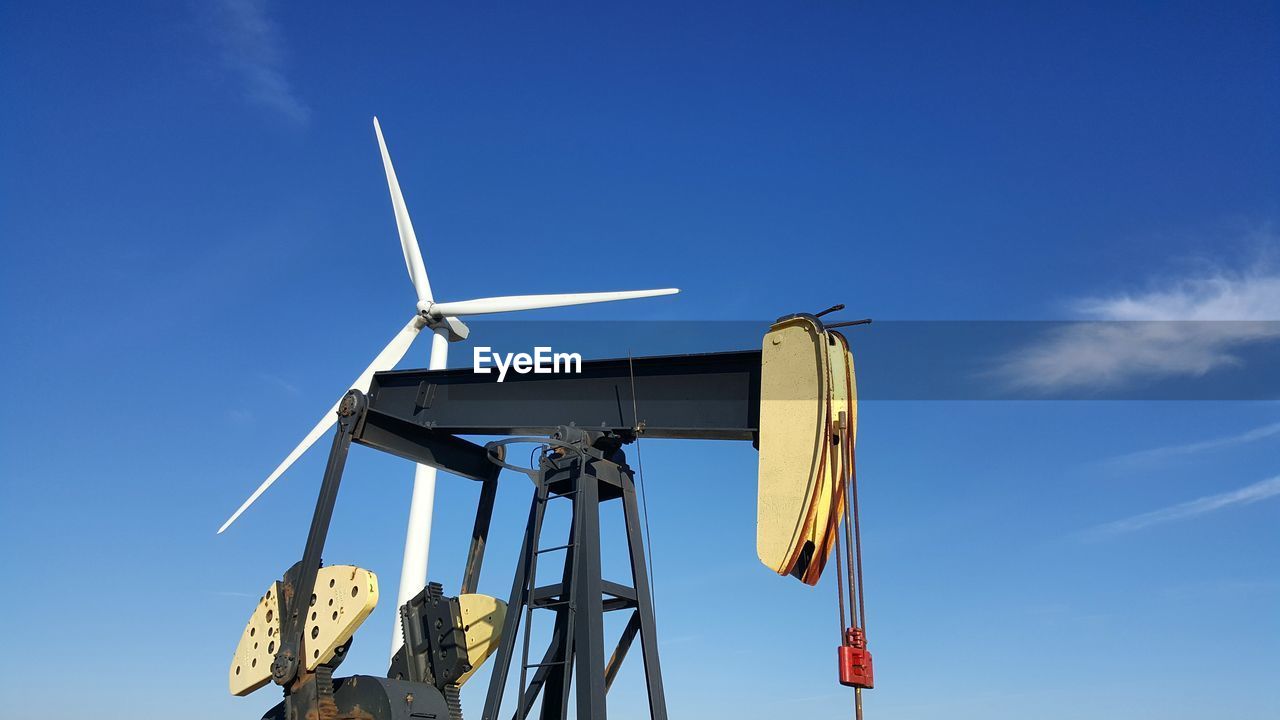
198, 252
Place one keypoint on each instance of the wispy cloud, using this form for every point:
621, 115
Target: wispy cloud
1170, 451
1191, 509
1187, 327
281, 383
1219, 588
251, 47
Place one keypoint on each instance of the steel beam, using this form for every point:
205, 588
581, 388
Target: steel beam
713, 396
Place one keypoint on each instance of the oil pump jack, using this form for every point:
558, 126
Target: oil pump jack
795, 400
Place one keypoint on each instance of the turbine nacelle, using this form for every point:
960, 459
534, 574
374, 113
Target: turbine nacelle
455, 329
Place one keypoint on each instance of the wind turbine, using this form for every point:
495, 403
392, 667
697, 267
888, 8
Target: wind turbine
442, 318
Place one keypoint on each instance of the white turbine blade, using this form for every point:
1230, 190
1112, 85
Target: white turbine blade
408, 240
510, 303
385, 360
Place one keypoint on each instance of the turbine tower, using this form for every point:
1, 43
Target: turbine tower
443, 320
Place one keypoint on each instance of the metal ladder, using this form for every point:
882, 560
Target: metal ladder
529, 691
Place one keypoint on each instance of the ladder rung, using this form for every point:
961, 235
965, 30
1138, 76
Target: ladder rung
557, 547
546, 664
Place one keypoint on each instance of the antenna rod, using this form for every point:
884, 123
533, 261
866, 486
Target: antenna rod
848, 323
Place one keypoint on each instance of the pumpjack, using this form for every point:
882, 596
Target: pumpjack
794, 400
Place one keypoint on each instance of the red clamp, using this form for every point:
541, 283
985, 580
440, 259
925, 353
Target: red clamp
855, 660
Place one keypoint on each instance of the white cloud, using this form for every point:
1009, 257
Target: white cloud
1189, 327
1168, 451
251, 47
1215, 297
1193, 508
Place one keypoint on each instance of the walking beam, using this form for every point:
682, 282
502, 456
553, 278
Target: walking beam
712, 396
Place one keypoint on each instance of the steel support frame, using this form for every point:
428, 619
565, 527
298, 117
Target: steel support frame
587, 477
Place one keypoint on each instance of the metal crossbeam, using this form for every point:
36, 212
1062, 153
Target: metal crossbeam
712, 396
